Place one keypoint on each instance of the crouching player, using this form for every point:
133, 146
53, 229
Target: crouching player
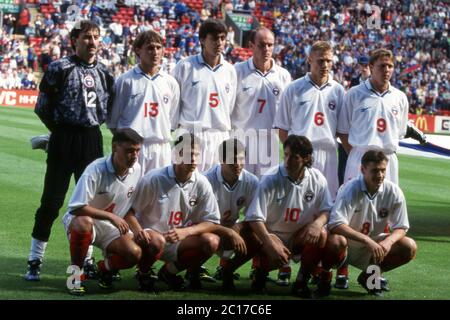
287, 217
369, 220
101, 199
176, 206
234, 188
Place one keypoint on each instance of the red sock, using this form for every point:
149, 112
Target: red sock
311, 255
255, 262
114, 262
79, 246
286, 269
223, 262
147, 260
343, 271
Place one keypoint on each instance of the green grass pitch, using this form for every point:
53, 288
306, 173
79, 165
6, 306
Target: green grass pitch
424, 181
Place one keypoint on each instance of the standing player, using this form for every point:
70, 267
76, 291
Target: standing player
288, 215
260, 84
97, 208
208, 91
74, 96
147, 100
177, 202
310, 107
374, 116
370, 212
234, 188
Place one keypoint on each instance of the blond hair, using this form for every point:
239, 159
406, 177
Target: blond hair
380, 53
321, 46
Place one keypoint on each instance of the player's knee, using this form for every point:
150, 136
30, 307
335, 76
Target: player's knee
410, 248
133, 254
338, 243
157, 243
210, 243
82, 224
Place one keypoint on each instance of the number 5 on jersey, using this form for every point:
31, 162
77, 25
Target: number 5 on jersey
213, 99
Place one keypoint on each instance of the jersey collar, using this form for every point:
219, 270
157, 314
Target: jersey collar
138, 70
371, 89
221, 180
327, 84
200, 60
252, 67
363, 187
110, 166
284, 173
171, 173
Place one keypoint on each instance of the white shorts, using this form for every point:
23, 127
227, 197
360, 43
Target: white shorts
353, 168
154, 155
170, 252
325, 160
104, 232
358, 255
210, 140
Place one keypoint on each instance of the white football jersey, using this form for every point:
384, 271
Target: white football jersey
286, 206
149, 105
162, 203
374, 120
232, 199
311, 111
207, 94
371, 215
258, 95
101, 188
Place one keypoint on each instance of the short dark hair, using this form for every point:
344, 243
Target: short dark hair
127, 135
145, 37
300, 145
374, 156
212, 26
80, 27
230, 149
186, 138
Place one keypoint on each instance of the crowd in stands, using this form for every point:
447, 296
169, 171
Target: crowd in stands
420, 42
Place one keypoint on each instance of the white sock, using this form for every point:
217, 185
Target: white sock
37, 250
89, 253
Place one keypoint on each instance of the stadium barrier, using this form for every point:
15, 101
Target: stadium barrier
18, 98
431, 124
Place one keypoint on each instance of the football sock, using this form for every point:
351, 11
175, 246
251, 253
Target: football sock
79, 246
89, 253
37, 249
115, 262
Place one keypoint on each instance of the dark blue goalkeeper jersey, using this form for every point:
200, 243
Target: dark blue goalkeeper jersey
74, 93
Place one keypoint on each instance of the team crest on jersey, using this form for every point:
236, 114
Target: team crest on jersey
276, 91
227, 88
130, 192
89, 81
394, 111
166, 99
240, 201
309, 196
193, 201
332, 105
383, 213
